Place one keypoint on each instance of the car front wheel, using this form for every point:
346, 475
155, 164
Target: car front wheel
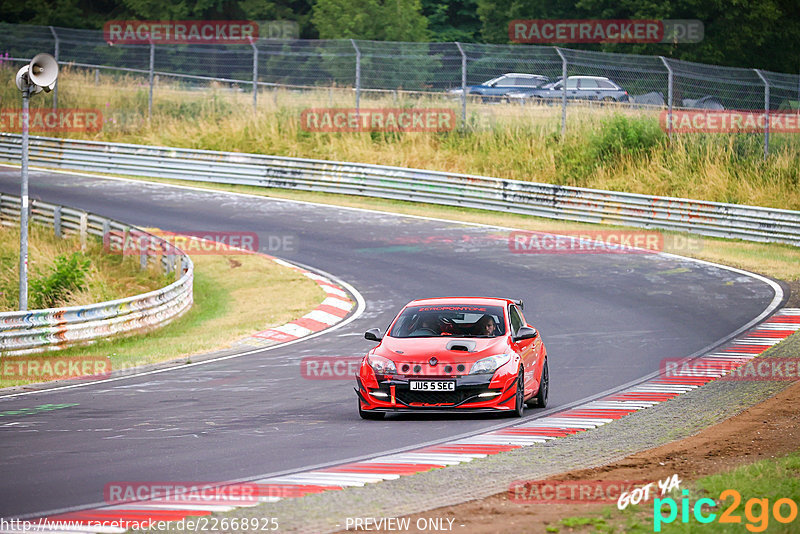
519, 408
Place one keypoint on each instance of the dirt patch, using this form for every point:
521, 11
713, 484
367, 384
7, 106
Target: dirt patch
766, 430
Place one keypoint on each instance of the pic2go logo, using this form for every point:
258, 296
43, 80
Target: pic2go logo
756, 511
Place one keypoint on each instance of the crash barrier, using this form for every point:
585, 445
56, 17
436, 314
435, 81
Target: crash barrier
513, 196
55, 328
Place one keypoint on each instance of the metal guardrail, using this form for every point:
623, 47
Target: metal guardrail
24, 332
529, 198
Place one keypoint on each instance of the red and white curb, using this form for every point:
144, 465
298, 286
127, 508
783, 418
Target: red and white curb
336, 306
392, 466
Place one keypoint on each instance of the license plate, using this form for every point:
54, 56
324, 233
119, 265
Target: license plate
432, 385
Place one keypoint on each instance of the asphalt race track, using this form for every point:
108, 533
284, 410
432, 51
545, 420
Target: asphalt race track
607, 319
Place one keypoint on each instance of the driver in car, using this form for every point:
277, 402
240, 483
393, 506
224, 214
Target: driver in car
427, 325
485, 326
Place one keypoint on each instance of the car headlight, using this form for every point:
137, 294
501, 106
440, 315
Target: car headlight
490, 364
382, 366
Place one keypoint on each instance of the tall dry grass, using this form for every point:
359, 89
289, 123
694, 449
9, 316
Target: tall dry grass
109, 276
606, 147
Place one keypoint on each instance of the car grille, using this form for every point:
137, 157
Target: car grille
437, 397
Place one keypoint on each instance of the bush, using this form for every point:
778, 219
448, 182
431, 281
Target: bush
620, 135
67, 275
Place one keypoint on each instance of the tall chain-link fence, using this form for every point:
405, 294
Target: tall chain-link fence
456, 71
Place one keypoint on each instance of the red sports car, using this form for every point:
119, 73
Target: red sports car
471, 354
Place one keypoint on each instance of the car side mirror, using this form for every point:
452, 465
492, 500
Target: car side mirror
373, 334
526, 332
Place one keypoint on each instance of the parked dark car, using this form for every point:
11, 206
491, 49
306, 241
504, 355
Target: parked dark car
578, 88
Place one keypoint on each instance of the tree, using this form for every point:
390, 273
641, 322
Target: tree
452, 20
389, 20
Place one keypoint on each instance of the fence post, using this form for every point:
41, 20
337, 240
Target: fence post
358, 75
670, 81
766, 113
152, 66
255, 74
463, 85
55, 55
563, 93
57, 221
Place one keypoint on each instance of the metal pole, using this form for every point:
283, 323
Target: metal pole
23, 207
670, 81
55, 89
358, 75
766, 112
152, 66
463, 85
255, 74
563, 93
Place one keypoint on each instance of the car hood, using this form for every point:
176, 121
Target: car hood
446, 349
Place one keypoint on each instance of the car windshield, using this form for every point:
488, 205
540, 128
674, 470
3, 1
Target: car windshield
452, 320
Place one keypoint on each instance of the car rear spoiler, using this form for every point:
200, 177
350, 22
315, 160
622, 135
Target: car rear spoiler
519, 303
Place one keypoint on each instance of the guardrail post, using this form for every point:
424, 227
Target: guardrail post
766, 112
107, 232
57, 221
358, 75
97, 76
563, 93
142, 255
670, 81
255, 74
84, 226
151, 74
463, 85
55, 55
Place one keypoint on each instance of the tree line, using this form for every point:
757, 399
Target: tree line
744, 33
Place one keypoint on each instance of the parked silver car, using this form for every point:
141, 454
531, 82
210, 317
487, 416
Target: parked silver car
578, 88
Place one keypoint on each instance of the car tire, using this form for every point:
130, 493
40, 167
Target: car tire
540, 400
369, 415
608, 99
519, 408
